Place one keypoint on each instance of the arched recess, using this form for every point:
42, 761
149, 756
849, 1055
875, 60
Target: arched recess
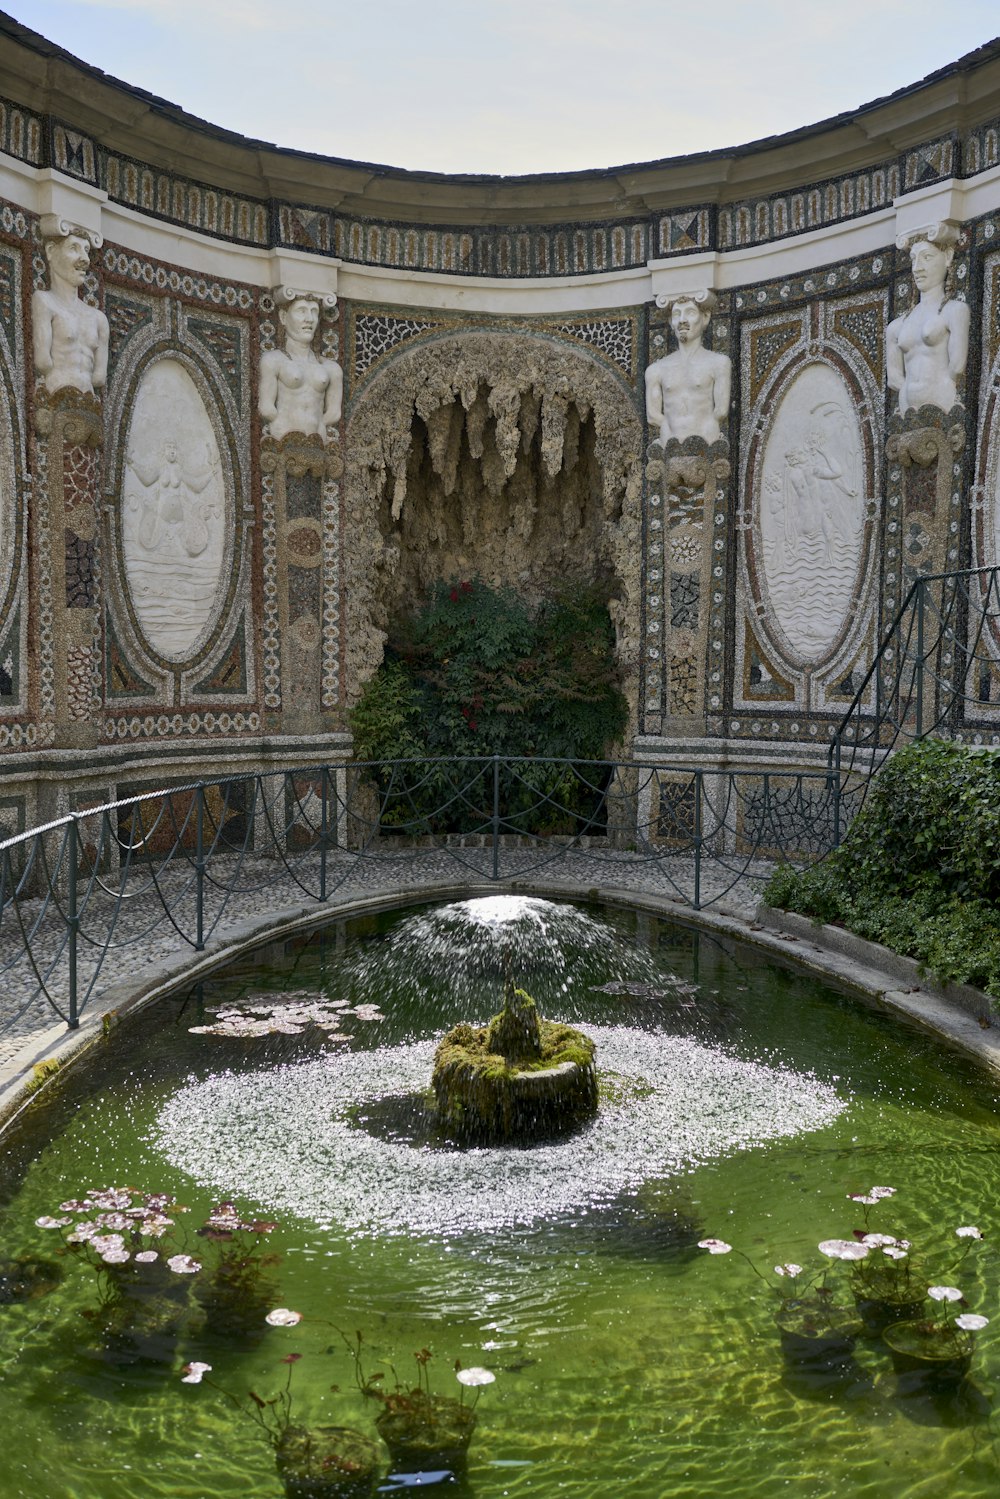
510, 456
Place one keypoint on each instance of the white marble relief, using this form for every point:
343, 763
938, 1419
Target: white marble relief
299, 392
174, 511
69, 337
811, 510
927, 349
687, 392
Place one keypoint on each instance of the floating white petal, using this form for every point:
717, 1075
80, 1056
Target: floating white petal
233, 1132
843, 1249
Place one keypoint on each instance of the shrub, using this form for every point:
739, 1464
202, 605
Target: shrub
919, 869
474, 673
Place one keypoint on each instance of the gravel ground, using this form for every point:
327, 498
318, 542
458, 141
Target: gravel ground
125, 935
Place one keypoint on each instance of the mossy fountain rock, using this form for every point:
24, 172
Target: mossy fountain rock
518, 1079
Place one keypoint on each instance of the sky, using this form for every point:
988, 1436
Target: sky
513, 86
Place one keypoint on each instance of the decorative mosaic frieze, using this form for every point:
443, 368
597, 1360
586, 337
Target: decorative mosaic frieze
330, 682
160, 725
981, 149
373, 334
378, 333
270, 623
613, 337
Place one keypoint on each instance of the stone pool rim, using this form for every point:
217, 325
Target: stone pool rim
957, 1015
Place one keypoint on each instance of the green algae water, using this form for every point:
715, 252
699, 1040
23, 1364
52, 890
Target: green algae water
739, 1101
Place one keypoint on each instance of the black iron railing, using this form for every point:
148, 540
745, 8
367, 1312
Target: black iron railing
90, 898
936, 672
97, 895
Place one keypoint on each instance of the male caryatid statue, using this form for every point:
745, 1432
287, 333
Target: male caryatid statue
927, 349
70, 338
299, 392
687, 392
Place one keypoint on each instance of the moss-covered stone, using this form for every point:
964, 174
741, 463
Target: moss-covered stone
544, 1083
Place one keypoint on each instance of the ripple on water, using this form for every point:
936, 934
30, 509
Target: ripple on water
284, 1138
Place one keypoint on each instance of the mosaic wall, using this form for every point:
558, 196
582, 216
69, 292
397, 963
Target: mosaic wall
215, 491
766, 598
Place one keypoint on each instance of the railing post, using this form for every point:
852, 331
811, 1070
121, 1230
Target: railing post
496, 817
836, 792
920, 658
73, 922
199, 866
698, 785
325, 784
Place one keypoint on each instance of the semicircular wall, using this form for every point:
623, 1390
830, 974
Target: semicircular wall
251, 400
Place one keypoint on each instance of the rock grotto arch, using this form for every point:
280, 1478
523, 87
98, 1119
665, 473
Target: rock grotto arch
512, 456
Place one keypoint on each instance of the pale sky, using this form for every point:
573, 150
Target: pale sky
514, 86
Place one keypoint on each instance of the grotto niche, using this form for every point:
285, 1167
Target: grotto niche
510, 457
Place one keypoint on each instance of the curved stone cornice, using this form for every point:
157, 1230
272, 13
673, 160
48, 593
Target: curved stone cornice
44, 78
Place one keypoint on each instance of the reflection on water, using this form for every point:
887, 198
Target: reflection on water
739, 1100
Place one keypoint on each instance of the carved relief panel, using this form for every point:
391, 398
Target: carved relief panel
179, 629
983, 687
173, 516
14, 488
807, 590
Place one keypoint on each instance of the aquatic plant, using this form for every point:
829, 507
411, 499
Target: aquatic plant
313, 1461
890, 1288
289, 1014
234, 1289
420, 1428
935, 1350
124, 1236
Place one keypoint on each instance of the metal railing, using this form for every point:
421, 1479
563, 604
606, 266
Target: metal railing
92, 897
936, 672
89, 898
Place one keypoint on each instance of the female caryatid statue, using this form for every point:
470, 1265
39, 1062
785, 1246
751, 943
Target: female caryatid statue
299, 392
927, 348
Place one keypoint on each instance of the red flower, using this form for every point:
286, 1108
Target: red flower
472, 724
291, 1358
466, 587
453, 595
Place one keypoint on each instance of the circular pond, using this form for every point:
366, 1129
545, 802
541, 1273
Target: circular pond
274, 1128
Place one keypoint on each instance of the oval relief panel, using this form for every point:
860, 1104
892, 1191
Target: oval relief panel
174, 511
812, 510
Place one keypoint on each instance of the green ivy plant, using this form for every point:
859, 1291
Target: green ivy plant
476, 672
919, 869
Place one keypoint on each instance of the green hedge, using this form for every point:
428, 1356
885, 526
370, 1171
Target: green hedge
919, 869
